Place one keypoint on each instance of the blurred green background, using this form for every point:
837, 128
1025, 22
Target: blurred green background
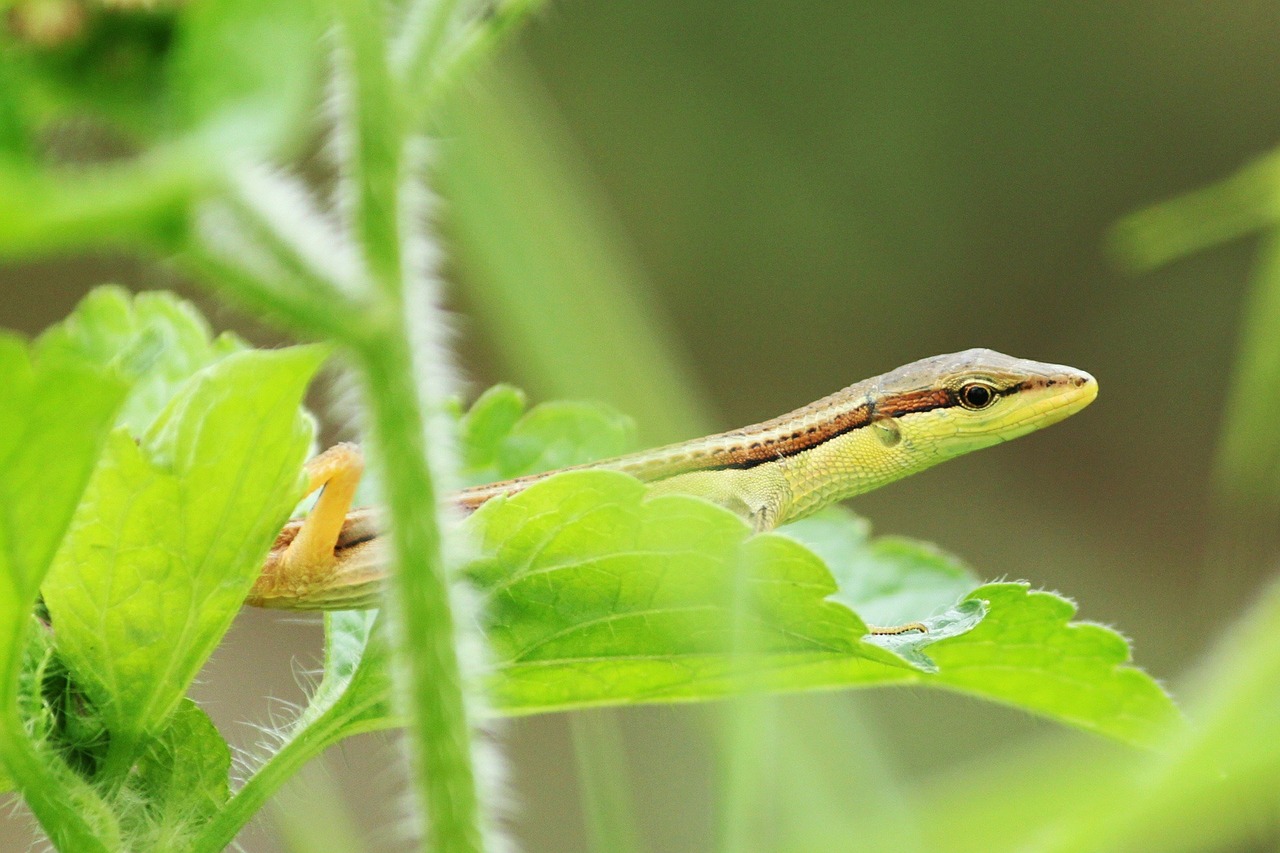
805, 196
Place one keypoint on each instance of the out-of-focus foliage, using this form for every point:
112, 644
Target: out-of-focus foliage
585, 277
1248, 464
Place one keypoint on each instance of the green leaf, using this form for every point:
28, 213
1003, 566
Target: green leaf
888, 580
597, 596
891, 581
355, 690
178, 783
1025, 651
156, 339
51, 428
486, 425
138, 203
499, 439
244, 72
1028, 653
172, 532
52, 425
557, 435
555, 614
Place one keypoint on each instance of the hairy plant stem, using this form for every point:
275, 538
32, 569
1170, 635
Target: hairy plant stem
45, 791
379, 172
306, 743
432, 696
424, 628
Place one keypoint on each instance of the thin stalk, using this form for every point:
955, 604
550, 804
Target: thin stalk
1239, 205
744, 727
425, 635
122, 752
378, 334
1248, 456
306, 744
602, 781
276, 213
287, 304
41, 790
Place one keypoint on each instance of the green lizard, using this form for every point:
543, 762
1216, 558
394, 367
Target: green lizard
855, 440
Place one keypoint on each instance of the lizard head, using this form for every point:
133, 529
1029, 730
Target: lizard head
968, 400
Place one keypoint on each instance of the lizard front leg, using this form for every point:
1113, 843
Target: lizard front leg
336, 472
303, 570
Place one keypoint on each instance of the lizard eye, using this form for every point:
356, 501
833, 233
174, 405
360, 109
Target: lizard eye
977, 395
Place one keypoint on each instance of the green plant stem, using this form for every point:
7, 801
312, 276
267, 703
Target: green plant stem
741, 721
433, 698
307, 743
602, 781
551, 312
44, 790
1241, 204
40, 789
281, 301
1246, 468
121, 752
743, 726
424, 626
374, 168
378, 170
